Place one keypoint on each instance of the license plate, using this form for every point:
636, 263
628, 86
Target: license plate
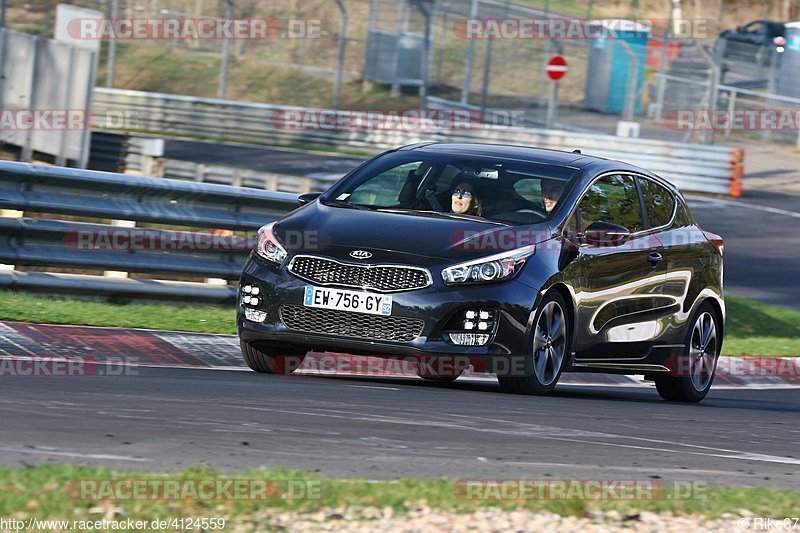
342, 300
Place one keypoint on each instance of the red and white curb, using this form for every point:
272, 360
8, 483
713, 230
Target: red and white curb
151, 348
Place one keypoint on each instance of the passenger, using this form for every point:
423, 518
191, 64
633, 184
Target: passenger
551, 193
465, 200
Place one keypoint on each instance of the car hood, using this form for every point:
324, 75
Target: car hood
335, 232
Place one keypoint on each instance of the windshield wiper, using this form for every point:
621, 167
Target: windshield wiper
342, 203
442, 214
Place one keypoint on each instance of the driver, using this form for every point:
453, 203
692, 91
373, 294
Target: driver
551, 193
465, 200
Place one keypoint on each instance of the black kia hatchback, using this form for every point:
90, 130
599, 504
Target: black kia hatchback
522, 262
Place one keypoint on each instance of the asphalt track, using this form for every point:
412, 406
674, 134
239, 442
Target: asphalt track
385, 428
378, 428
761, 230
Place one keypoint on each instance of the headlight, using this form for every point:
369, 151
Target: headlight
268, 246
493, 268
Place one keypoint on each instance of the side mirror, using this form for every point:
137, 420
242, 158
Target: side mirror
307, 198
605, 234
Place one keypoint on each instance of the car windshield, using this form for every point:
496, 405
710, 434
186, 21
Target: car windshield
486, 189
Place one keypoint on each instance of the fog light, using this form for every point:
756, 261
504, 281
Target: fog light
246, 299
254, 315
469, 339
247, 289
483, 326
255, 291
484, 314
469, 325
470, 315
254, 301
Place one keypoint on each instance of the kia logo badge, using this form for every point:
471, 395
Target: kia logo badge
360, 254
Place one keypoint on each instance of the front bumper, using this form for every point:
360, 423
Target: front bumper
436, 305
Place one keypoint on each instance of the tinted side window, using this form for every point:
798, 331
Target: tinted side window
658, 201
611, 199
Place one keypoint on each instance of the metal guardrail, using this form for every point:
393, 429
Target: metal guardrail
44, 242
731, 98
692, 167
243, 177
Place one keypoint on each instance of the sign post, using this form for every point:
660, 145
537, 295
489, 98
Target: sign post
556, 69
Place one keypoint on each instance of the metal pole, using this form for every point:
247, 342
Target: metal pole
712, 89
731, 111
337, 89
440, 57
487, 66
662, 86
223, 74
633, 76
552, 105
395, 90
473, 14
87, 131
111, 67
370, 29
423, 90
61, 158
27, 149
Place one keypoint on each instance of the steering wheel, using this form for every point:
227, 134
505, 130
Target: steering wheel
535, 210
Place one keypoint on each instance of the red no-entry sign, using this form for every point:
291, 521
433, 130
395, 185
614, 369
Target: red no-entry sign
556, 68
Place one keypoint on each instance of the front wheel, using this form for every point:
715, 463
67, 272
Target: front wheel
549, 351
270, 363
698, 363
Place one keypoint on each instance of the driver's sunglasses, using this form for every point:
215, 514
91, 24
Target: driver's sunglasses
466, 193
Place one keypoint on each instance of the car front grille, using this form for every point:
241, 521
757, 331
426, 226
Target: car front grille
347, 324
382, 278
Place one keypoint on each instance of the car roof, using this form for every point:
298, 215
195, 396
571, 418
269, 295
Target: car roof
528, 154
521, 153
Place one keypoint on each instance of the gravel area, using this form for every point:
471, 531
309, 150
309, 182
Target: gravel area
424, 519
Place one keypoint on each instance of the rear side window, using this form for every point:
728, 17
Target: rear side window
658, 201
611, 199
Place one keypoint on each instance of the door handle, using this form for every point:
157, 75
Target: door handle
654, 258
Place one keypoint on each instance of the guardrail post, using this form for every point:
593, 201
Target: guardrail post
153, 157
119, 224
9, 213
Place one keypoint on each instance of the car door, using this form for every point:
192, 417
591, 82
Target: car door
618, 285
690, 266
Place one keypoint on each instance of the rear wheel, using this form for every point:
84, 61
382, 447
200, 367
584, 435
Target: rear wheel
270, 363
698, 363
549, 350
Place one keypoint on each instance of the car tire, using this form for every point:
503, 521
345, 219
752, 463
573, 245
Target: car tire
702, 346
270, 363
550, 349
